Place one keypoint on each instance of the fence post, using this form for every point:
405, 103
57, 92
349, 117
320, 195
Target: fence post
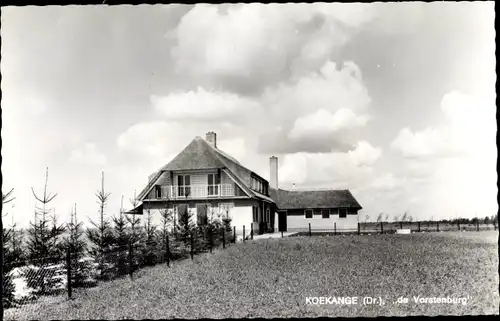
419, 226
234, 234
210, 236
224, 238
243, 233
381, 227
401, 225
458, 223
192, 241
168, 252
334, 228
437, 224
130, 263
477, 226
359, 229
68, 270
281, 234
251, 231
310, 229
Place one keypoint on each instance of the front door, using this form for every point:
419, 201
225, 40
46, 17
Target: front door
282, 221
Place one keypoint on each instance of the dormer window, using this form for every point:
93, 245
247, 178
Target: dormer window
157, 191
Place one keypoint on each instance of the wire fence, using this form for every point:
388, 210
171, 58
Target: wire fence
61, 277
392, 227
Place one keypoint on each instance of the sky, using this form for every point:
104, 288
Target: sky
393, 101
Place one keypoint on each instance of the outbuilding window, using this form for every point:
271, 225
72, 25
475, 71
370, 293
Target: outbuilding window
342, 212
325, 213
308, 213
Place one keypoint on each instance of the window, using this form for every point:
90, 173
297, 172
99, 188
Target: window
213, 184
325, 213
183, 188
342, 212
157, 191
334, 211
202, 214
317, 211
352, 211
255, 214
308, 213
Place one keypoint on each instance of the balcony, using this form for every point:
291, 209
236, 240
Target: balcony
194, 191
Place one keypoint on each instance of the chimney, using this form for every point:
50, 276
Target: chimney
211, 138
273, 162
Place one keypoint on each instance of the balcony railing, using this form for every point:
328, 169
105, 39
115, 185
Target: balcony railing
194, 191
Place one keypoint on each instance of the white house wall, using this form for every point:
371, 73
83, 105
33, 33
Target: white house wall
240, 213
317, 222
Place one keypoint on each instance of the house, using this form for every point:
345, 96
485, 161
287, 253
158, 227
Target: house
209, 182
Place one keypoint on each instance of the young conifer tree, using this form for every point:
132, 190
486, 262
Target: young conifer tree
121, 240
75, 243
100, 234
166, 227
11, 256
136, 234
44, 245
149, 250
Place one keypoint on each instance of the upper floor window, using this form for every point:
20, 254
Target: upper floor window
183, 185
157, 191
213, 184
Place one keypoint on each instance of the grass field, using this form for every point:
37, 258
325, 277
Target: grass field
273, 278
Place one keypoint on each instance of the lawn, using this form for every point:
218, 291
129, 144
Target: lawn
273, 278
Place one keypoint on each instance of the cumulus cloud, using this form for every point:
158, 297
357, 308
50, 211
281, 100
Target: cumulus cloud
333, 100
470, 129
324, 122
88, 154
203, 105
333, 169
453, 166
154, 139
261, 41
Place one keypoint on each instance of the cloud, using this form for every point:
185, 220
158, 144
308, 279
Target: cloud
324, 122
203, 105
252, 45
333, 169
154, 139
453, 166
333, 100
469, 129
365, 154
88, 154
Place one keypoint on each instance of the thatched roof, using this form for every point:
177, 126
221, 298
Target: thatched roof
313, 199
199, 154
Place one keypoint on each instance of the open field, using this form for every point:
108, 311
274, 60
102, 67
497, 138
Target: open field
273, 278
